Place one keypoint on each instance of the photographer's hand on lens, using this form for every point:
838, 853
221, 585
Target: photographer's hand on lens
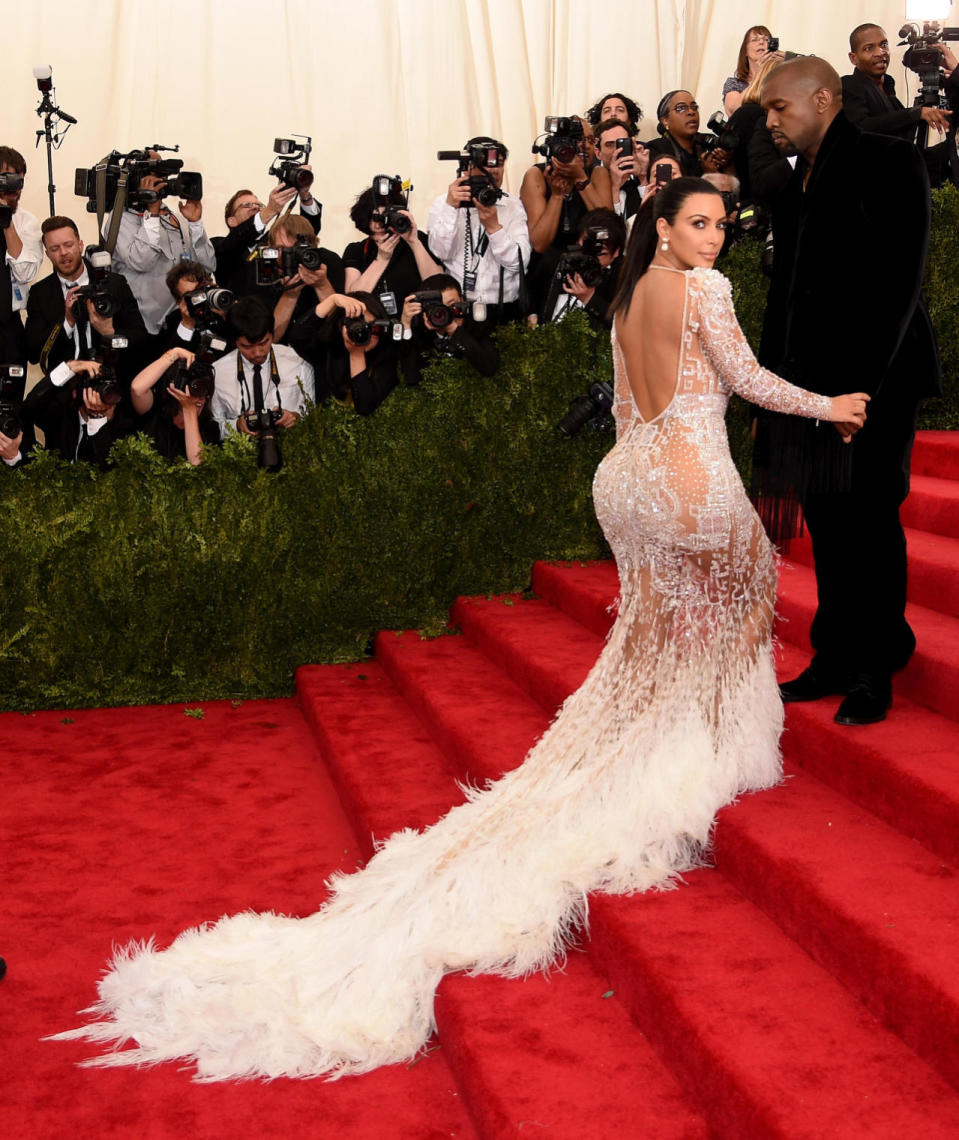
411, 308
185, 400
192, 210
489, 218
287, 419
10, 448
92, 367
559, 183
152, 182
459, 191
386, 243
575, 286
716, 161
350, 305
318, 278
102, 325
95, 407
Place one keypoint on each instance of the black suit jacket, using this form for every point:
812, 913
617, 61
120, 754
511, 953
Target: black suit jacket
871, 108
45, 333
845, 311
234, 270
54, 411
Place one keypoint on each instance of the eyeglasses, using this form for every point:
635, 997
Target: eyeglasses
682, 108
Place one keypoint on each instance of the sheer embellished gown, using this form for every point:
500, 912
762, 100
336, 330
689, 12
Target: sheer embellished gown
679, 716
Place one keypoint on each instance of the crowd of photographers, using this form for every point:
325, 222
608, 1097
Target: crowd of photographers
162, 330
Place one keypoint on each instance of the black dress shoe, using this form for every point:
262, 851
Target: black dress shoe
866, 703
811, 685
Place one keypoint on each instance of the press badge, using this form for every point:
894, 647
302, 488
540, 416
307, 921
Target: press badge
469, 282
388, 301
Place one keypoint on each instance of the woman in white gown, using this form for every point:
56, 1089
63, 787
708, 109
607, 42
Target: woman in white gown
679, 716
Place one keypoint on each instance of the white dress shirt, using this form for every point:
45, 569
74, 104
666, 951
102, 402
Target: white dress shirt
231, 399
502, 250
24, 268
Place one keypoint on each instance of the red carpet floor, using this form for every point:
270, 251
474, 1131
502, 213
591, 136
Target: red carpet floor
804, 987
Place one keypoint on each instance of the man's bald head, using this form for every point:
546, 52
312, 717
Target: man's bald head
801, 97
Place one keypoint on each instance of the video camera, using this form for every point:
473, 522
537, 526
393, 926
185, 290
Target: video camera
722, 138
10, 182
291, 158
11, 385
129, 170
923, 59
273, 265
105, 304
199, 378
386, 210
438, 315
563, 136
482, 188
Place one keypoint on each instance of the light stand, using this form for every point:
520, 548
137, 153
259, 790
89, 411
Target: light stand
52, 133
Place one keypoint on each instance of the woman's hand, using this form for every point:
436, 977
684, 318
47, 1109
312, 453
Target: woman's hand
848, 413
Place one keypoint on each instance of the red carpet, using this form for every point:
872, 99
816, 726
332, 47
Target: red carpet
805, 987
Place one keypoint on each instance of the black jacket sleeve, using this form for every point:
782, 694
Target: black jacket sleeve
864, 113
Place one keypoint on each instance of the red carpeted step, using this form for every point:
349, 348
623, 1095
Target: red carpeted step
876, 909
936, 453
586, 591
759, 1032
933, 568
905, 770
123, 823
545, 652
932, 676
933, 505
551, 1054
482, 720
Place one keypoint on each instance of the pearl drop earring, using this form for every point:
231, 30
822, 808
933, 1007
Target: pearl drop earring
665, 245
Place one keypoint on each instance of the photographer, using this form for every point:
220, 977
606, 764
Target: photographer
615, 105
16, 434
870, 102
180, 423
388, 263
247, 220
300, 292
678, 126
485, 247
258, 376
556, 194
584, 276
442, 327
79, 412
150, 241
180, 326
627, 161
359, 369
68, 316
22, 255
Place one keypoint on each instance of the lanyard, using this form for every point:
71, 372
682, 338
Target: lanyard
246, 397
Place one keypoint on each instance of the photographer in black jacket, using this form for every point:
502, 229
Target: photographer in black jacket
442, 325
358, 368
585, 275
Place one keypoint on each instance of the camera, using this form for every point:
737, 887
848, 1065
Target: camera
199, 378
101, 184
482, 189
436, 314
106, 383
291, 157
563, 136
207, 304
722, 137
923, 58
97, 292
386, 210
592, 408
273, 265
262, 424
10, 182
11, 384
360, 330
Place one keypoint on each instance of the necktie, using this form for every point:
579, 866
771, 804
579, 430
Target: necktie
257, 389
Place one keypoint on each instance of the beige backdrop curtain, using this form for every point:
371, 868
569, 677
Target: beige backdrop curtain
381, 85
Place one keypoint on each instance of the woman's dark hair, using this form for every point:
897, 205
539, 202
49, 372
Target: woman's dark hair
742, 64
633, 109
365, 205
641, 247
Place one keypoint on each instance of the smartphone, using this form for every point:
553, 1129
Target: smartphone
664, 172
773, 44
624, 148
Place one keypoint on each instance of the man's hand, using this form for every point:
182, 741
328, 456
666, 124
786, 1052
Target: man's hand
411, 308
103, 325
96, 409
10, 447
151, 182
192, 209
716, 161
412, 235
318, 278
933, 117
280, 196
577, 287
242, 428
459, 191
68, 303
489, 218
91, 367
287, 419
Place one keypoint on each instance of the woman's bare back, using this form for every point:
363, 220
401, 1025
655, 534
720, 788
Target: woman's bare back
650, 336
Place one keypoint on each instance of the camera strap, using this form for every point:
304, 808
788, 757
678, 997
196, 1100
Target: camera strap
119, 205
473, 255
246, 397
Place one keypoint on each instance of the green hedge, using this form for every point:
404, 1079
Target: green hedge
163, 582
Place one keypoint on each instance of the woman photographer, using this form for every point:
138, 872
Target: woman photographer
359, 367
753, 51
180, 424
678, 127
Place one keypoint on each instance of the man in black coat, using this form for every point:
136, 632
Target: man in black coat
845, 313
57, 329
